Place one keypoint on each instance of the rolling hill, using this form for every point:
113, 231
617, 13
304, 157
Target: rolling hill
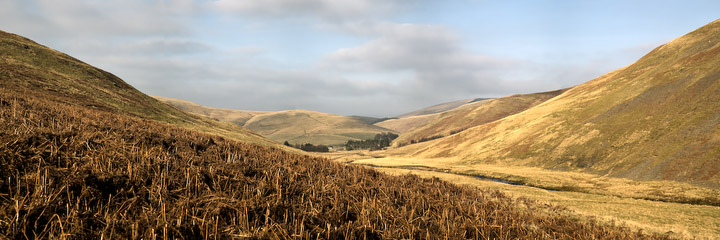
78, 161
439, 108
473, 114
407, 121
33, 69
658, 118
294, 126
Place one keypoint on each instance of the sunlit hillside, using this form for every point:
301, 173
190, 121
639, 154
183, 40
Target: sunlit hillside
655, 119
407, 121
471, 115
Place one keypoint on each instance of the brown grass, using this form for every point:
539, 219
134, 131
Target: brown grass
74, 173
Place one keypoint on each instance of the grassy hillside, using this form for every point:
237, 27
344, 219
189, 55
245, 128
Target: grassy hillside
473, 114
294, 126
33, 69
438, 108
301, 126
658, 118
75, 172
237, 117
402, 125
407, 121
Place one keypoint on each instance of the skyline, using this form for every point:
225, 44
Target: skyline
363, 57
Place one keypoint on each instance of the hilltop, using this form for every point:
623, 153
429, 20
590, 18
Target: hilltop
294, 126
79, 163
657, 118
33, 69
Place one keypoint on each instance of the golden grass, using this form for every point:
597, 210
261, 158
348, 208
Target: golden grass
656, 206
682, 220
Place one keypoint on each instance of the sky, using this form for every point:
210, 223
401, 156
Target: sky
377, 58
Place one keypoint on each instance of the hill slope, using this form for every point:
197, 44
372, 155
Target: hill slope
439, 108
658, 118
473, 114
237, 117
294, 126
407, 121
402, 125
33, 69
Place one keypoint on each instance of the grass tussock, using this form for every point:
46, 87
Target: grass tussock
74, 173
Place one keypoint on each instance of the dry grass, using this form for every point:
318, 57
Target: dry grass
677, 220
75, 173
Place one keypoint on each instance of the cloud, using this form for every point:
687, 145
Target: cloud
433, 55
98, 19
322, 9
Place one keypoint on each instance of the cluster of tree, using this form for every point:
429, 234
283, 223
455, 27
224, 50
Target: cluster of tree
309, 147
453, 132
425, 139
380, 141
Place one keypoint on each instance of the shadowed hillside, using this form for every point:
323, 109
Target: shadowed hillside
473, 114
658, 118
33, 69
294, 126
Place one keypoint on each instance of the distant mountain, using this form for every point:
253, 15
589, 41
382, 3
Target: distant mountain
32, 69
658, 118
294, 126
473, 114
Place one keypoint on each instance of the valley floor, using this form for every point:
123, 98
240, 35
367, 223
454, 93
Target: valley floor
654, 206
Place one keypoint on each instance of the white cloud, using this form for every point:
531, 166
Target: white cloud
434, 54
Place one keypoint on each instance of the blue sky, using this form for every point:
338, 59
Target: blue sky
352, 57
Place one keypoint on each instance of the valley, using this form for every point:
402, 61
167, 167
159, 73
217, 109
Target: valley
632, 154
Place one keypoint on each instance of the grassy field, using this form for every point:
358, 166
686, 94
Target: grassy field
606, 198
